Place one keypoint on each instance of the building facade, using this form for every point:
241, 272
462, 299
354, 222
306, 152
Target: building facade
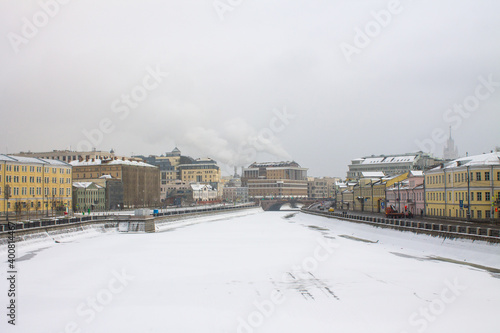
408, 194
321, 188
113, 189
141, 181
34, 186
465, 188
275, 180
235, 194
203, 193
391, 165
201, 171
88, 197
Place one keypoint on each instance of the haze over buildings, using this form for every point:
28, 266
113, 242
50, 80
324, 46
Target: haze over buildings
264, 81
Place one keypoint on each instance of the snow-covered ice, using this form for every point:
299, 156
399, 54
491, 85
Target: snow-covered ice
254, 271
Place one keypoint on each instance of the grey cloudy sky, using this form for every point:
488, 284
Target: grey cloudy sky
250, 80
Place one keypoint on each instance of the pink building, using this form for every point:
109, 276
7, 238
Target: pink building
408, 194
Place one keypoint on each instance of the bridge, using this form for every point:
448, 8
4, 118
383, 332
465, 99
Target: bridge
275, 204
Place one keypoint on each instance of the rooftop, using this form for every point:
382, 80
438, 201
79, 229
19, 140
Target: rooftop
31, 160
111, 162
291, 164
470, 161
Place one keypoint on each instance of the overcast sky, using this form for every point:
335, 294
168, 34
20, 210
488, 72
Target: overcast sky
320, 82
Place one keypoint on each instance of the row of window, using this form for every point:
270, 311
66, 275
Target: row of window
474, 196
461, 177
16, 191
24, 168
32, 179
460, 213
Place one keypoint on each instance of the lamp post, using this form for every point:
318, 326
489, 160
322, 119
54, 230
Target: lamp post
7, 196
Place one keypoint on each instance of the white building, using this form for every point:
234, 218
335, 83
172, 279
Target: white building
391, 165
204, 193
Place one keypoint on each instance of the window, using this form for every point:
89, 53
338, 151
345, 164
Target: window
487, 196
498, 176
471, 196
479, 214
479, 196
487, 214
478, 176
487, 175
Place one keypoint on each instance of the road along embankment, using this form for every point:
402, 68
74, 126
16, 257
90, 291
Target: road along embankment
439, 229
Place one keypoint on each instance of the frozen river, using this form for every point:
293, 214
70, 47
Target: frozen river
256, 271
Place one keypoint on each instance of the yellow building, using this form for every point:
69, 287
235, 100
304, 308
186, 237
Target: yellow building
32, 186
468, 187
200, 171
368, 194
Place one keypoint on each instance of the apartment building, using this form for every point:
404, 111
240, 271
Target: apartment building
34, 186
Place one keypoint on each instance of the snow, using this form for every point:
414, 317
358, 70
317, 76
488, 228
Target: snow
110, 162
254, 271
471, 161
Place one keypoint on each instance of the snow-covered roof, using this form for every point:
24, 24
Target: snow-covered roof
55, 162
372, 174
106, 177
31, 160
200, 187
292, 164
111, 162
417, 173
470, 161
388, 159
85, 184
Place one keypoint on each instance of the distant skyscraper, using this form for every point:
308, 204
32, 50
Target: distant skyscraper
450, 151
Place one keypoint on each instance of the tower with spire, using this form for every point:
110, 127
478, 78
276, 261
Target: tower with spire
450, 151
